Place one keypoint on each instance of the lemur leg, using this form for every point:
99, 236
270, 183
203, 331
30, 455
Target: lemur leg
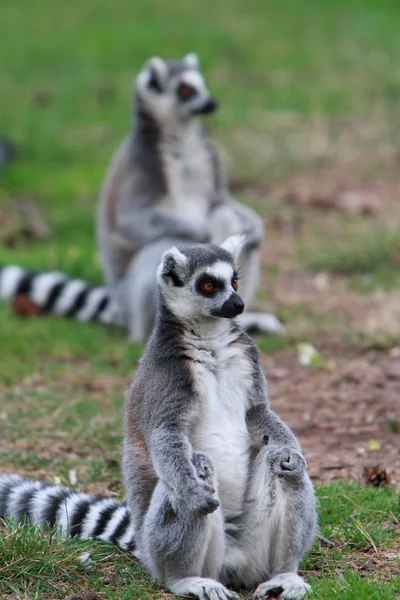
276, 529
235, 218
184, 551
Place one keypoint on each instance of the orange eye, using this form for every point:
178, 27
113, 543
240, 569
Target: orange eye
185, 91
207, 286
234, 283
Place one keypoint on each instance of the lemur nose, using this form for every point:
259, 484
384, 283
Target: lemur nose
238, 304
210, 106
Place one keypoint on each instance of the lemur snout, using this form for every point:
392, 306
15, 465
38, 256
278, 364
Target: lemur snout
233, 307
209, 107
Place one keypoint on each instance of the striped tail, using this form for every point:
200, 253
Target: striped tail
73, 512
53, 292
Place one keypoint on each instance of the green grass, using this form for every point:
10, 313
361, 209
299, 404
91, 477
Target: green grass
360, 521
302, 86
371, 261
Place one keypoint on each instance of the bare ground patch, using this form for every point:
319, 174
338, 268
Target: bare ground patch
339, 412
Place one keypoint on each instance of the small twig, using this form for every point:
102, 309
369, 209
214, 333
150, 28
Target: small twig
325, 541
366, 534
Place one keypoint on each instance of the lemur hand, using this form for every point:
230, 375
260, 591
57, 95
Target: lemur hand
201, 494
286, 462
200, 497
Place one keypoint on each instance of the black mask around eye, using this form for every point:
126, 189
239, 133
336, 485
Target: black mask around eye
186, 92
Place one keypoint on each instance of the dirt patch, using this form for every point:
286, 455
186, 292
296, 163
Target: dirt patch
381, 562
346, 415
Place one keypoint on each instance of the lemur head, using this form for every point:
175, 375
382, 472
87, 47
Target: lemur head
200, 281
173, 90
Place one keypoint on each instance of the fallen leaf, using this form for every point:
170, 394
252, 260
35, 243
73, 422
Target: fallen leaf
376, 476
24, 306
309, 356
374, 446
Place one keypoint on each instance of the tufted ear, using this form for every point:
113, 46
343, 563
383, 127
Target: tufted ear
158, 72
191, 60
234, 245
172, 267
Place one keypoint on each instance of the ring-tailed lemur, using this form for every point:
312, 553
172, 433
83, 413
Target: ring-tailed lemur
165, 186
217, 489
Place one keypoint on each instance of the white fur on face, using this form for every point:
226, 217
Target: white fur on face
195, 79
165, 106
186, 302
221, 270
161, 106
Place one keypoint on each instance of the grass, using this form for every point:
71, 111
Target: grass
363, 564
372, 260
302, 89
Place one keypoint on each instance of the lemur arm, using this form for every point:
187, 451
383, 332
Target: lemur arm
266, 427
171, 455
228, 216
149, 223
263, 424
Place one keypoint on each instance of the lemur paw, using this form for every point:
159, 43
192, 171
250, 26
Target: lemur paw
204, 466
287, 462
292, 463
287, 586
203, 588
201, 494
202, 499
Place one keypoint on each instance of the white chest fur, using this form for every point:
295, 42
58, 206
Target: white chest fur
223, 379
189, 174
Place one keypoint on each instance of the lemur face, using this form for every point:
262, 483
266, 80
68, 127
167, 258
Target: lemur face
174, 89
201, 281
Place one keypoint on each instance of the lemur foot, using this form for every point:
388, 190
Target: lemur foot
286, 462
255, 322
203, 588
287, 586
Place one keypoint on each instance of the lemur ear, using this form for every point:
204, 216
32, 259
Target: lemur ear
158, 72
234, 245
173, 266
191, 60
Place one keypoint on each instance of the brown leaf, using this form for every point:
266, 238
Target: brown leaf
376, 476
24, 306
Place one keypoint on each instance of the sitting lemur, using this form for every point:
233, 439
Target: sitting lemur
165, 186
218, 496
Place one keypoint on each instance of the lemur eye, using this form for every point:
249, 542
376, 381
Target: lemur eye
185, 92
207, 286
235, 283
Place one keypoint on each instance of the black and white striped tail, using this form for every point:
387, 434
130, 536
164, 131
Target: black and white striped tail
56, 293
73, 512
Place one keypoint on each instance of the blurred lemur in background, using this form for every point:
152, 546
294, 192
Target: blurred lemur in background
217, 489
165, 186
